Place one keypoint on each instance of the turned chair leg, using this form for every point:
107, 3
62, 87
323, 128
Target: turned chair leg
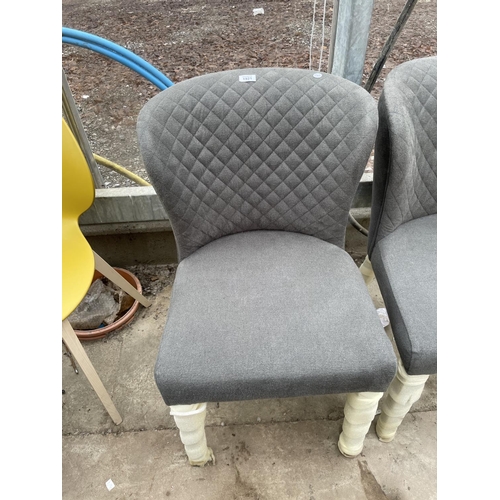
366, 270
403, 392
190, 420
359, 412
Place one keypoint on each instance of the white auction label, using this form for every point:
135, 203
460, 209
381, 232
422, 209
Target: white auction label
248, 78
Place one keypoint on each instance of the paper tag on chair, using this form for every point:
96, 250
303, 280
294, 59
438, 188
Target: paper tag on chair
248, 78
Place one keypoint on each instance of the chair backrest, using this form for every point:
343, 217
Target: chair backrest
267, 148
77, 184
405, 170
77, 196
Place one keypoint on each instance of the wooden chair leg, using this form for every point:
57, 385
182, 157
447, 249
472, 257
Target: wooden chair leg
74, 345
103, 267
403, 392
190, 420
359, 412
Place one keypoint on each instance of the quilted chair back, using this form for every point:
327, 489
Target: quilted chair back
257, 149
405, 170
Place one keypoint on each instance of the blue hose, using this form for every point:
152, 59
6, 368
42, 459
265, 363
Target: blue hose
116, 57
118, 53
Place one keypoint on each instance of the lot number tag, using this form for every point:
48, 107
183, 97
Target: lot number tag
248, 78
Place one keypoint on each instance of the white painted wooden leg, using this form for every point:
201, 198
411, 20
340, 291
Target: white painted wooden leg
112, 274
359, 412
190, 420
403, 392
75, 347
366, 270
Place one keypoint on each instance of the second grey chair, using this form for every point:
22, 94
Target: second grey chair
257, 170
402, 242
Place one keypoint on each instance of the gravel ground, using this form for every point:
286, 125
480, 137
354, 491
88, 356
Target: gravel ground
187, 38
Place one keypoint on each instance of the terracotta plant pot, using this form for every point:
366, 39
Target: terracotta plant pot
125, 319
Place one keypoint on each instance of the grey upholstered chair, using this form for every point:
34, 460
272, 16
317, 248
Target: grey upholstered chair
402, 242
257, 170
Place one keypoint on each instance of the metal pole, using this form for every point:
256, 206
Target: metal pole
75, 124
351, 39
335, 20
389, 44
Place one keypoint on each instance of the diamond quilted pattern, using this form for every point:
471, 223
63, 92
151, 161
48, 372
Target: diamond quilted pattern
405, 171
285, 152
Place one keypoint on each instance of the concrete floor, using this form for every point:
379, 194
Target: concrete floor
267, 449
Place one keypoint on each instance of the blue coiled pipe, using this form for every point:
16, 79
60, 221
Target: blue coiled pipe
117, 53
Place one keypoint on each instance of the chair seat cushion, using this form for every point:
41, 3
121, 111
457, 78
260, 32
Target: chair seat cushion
269, 314
405, 264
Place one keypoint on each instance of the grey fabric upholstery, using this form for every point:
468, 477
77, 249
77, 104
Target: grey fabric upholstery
285, 152
257, 179
405, 169
266, 314
402, 236
405, 263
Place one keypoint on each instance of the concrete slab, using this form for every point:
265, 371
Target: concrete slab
292, 460
267, 449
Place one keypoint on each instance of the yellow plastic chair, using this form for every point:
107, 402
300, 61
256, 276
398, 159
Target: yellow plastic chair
79, 260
